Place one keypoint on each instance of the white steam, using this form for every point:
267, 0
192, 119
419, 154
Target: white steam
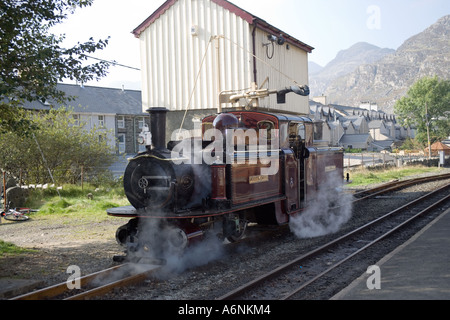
326, 214
153, 235
197, 255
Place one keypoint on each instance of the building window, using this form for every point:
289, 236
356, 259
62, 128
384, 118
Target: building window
121, 122
141, 122
76, 120
101, 121
121, 141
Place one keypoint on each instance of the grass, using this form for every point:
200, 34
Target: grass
365, 177
10, 249
73, 201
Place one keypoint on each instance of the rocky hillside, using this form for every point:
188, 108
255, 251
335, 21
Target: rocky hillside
388, 79
345, 62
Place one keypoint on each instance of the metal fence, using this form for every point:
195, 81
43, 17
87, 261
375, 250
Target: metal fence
367, 160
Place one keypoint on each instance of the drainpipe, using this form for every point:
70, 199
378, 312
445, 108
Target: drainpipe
254, 51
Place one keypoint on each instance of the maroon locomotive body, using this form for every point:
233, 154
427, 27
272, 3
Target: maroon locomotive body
247, 167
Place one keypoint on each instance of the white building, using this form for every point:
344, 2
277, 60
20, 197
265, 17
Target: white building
191, 50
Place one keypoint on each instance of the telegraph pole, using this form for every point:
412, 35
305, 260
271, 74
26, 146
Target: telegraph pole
428, 130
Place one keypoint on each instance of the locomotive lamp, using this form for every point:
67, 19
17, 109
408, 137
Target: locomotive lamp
145, 137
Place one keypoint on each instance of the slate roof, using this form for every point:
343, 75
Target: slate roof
355, 138
89, 99
383, 143
375, 124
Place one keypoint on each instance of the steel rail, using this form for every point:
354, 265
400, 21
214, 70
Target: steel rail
133, 279
256, 282
60, 289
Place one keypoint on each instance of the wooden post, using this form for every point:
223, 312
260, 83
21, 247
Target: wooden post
4, 193
82, 177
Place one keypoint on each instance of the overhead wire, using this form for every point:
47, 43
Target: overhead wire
114, 63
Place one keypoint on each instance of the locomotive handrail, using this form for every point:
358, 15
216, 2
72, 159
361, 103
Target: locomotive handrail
157, 158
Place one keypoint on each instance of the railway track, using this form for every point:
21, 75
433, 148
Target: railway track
102, 282
95, 284
395, 185
291, 279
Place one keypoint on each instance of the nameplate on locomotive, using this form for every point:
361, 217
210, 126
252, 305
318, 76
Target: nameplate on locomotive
258, 179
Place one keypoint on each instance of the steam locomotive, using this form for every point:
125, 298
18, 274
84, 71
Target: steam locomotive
249, 166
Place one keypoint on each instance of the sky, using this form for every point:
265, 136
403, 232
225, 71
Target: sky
327, 25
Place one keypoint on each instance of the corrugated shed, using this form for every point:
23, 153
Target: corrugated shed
191, 50
172, 56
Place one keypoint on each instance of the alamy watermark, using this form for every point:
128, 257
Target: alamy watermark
374, 281
74, 280
374, 20
234, 146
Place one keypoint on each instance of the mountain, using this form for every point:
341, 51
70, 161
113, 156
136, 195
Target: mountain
314, 68
388, 79
345, 62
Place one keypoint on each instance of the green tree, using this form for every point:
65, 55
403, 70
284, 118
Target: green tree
427, 106
32, 60
59, 146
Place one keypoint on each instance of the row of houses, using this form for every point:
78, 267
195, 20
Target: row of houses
358, 128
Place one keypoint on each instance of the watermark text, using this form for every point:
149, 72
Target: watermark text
374, 280
73, 282
374, 19
235, 146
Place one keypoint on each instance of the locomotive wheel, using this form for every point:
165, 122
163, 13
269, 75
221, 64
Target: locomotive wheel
234, 228
127, 233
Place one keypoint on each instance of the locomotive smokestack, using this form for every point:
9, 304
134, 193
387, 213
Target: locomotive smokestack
158, 126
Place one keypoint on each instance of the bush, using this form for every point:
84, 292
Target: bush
58, 147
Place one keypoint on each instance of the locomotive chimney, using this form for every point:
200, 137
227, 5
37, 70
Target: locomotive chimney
158, 127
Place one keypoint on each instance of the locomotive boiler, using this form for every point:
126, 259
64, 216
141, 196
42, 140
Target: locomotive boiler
248, 166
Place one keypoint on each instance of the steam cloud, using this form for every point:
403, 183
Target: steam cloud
155, 233
327, 214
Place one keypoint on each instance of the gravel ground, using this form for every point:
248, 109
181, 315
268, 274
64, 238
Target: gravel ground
58, 244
